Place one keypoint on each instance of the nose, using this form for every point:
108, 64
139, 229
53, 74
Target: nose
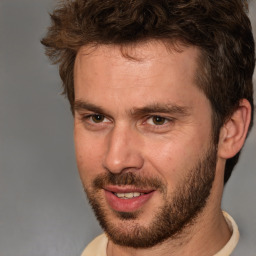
124, 150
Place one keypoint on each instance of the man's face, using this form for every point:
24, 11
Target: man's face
143, 140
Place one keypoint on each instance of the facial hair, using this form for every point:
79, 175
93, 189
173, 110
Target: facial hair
179, 211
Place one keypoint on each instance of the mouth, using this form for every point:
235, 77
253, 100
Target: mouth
127, 199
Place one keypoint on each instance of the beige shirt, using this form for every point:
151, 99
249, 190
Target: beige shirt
98, 247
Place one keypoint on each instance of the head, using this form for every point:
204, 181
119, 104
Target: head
126, 36
214, 27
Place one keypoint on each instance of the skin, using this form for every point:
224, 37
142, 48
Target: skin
128, 140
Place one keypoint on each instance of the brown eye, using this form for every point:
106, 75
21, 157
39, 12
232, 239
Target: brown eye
158, 120
97, 118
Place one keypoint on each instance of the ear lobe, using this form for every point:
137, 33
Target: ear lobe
234, 131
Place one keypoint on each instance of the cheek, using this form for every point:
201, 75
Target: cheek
175, 157
88, 155
167, 162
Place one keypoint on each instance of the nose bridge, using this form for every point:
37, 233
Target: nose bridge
123, 150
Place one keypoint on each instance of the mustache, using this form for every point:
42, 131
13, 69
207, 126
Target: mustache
128, 178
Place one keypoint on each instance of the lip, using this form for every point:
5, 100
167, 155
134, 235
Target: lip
126, 189
127, 205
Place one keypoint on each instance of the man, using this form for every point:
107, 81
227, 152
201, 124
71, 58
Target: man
161, 93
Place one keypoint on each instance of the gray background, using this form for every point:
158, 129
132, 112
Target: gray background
43, 209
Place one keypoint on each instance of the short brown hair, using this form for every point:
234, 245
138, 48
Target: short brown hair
220, 29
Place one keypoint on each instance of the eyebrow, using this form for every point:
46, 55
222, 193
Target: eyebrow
168, 108
80, 105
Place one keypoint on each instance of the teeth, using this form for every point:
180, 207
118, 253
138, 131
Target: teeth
128, 195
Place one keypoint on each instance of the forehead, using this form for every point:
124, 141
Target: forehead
139, 53
144, 55
150, 72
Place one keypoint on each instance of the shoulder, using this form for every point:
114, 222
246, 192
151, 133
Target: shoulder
97, 247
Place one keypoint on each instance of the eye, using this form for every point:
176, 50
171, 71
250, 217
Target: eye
94, 121
97, 118
157, 120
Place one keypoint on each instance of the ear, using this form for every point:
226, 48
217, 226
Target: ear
234, 131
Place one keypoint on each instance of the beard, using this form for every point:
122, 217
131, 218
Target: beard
180, 209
